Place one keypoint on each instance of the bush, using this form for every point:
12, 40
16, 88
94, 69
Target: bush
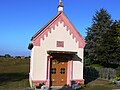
99, 72
118, 72
117, 78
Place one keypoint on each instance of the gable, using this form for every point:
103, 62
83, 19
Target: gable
60, 17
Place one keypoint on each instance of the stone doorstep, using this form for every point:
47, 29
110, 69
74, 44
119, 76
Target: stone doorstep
56, 87
60, 88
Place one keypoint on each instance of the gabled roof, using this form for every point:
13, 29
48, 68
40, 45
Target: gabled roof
60, 17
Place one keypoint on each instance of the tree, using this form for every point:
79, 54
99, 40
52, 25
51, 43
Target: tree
7, 55
116, 27
96, 46
116, 42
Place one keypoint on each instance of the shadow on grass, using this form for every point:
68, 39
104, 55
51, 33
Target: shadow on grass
11, 77
90, 74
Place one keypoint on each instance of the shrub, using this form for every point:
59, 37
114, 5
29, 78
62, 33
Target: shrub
118, 72
117, 78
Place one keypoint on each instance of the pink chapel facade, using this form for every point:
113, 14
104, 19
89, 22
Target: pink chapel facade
57, 53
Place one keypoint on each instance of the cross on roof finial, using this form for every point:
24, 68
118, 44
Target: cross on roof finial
60, 2
60, 6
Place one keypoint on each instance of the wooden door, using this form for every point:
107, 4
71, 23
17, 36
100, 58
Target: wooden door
58, 72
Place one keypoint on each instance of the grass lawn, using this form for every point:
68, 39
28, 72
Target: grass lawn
13, 73
100, 85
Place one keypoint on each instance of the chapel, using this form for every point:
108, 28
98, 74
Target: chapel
57, 53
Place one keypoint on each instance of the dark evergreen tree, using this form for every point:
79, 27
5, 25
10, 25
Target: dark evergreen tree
116, 42
96, 49
116, 28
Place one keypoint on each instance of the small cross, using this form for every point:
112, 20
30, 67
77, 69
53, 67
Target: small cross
60, 2
60, 6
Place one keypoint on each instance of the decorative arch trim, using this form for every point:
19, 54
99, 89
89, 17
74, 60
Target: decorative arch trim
60, 17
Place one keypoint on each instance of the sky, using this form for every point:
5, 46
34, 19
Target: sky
21, 19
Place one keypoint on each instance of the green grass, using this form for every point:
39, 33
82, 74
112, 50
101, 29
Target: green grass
100, 85
13, 73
